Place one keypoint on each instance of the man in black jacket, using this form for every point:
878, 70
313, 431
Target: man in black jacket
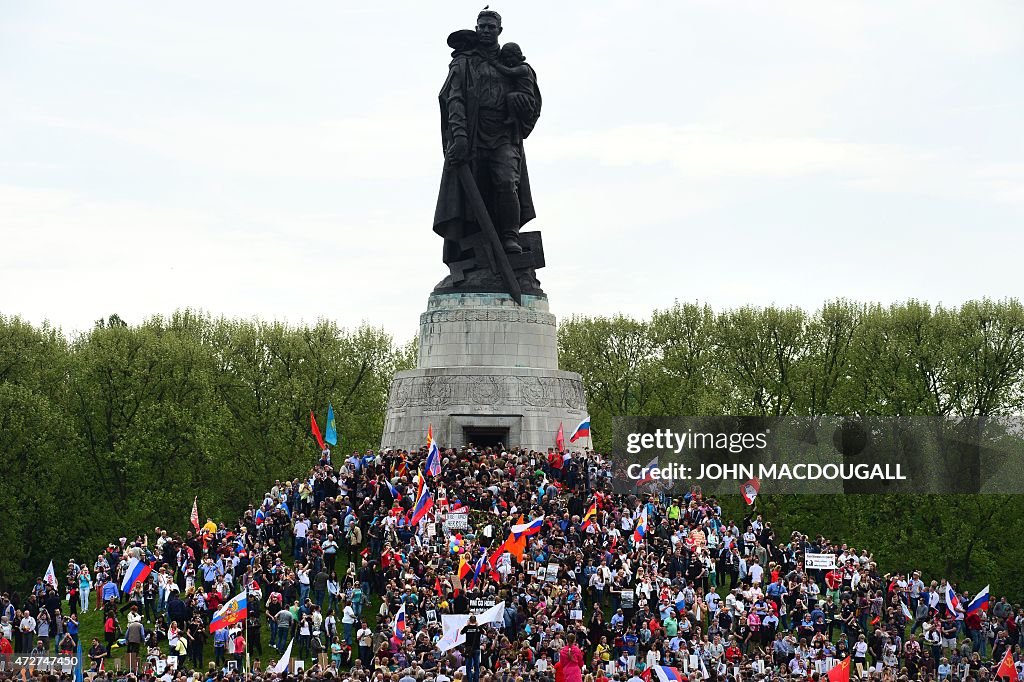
472, 648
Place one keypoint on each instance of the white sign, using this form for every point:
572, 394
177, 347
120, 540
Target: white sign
456, 522
818, 561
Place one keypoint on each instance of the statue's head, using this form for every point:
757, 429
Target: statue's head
488, 26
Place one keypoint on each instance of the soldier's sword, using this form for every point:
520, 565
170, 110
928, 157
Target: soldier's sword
497, 255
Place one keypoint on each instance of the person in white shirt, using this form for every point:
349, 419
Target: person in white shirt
756, 572
711, 599
348, 620
860, 652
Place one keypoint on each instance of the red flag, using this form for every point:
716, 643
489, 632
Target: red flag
316, 431
1006, 668
749, 490
437, 587
560, 439
496, 554
840, 672
194, 518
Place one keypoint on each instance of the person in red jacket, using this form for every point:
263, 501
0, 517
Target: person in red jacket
833, 581
110, 630
6, 651
733, 654
238, 648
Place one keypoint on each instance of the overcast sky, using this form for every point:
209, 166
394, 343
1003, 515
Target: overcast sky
282, 160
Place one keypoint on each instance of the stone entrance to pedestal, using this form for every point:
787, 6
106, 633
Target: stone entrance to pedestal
484, 437
487, 373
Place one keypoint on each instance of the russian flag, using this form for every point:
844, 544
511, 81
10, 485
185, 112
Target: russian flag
952, 603
137, 572
648, 477
397, 496
261, 516
433, 463
479, 566
528, 529
398, 627
233, 612
582, 431
980, 602
666, 674
424, 502
641, 527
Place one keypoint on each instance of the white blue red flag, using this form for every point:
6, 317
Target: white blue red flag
137, 572
398, 627
647, 476
664, 673
479, 566
952, 602
980, 602
233, 612
394, 491
424, 502
528, 529
433, 463
582, 430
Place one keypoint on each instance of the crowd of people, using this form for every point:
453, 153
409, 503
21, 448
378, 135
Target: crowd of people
344, 571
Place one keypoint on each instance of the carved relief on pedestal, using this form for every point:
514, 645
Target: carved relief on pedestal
517, 316
436, 392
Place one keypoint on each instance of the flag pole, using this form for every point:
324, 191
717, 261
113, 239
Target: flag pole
247, 673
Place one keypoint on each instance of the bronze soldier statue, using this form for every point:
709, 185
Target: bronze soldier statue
489, 104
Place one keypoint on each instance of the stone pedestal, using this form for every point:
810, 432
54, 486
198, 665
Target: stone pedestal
487, 372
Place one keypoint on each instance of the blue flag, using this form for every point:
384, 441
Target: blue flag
78, 668
331, 436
